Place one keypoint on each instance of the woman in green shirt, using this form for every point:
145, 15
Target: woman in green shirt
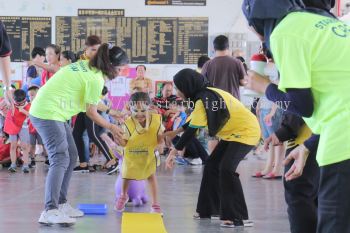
313, 60
73, 89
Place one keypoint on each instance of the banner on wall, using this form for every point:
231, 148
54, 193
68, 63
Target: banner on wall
146, 40
177, 2
25, 33
101, 12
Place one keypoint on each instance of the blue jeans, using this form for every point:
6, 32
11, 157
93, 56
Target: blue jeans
62, 152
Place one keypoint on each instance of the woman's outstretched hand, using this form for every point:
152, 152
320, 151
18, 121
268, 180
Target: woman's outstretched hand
170, 160
256, 82
117, 133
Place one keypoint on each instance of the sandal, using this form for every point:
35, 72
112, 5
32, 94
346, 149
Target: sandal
230, 224
156, 209
121, 202
258, 175
271, 176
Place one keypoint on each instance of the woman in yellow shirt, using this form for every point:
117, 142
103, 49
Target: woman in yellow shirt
225, 117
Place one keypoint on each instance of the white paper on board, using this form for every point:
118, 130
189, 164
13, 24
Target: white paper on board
118, 87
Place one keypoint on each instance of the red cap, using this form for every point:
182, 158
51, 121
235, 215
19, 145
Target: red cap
259, 57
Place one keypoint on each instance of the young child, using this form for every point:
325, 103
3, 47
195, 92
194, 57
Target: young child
34, 137
16, 126
142, 133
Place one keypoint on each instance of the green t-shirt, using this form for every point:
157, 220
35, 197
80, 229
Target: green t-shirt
67, 92
313, 51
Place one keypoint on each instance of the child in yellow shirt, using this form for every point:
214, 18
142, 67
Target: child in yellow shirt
142, 133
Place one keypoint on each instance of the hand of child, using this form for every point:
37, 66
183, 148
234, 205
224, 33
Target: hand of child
268, 119
170, 160
273, 139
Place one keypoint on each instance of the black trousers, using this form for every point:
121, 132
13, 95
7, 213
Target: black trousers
194, 149
301, 196
334, 198
94, 132
221, 191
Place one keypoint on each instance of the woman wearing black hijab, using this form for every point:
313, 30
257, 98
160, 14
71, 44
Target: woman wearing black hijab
312, 56
225, 117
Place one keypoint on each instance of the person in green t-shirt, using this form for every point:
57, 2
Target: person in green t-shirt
74, 88
312, 58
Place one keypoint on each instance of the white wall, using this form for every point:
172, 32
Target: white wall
224, 15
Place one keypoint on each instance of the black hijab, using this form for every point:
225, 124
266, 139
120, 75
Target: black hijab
326, 5
322, 7
264, 15
194, 86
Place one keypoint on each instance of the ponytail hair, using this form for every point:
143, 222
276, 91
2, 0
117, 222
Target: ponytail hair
107, 58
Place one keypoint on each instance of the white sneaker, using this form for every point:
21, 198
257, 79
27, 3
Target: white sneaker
68, 210
55, 217
196, 161
248, 223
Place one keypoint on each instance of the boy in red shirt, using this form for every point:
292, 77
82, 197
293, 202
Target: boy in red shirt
16, 126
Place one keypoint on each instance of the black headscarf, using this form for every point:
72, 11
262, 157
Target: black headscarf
194, 86
322, 7
326, 5
264, 15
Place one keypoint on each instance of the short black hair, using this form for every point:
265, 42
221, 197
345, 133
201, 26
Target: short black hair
141, 66
19, 95
37, 51
140, 97
33, 88
221, 43
202, 60
104, 90
69, 55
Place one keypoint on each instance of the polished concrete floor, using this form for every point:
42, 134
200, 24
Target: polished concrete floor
22, 195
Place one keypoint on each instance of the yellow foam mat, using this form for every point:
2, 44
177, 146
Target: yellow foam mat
142, 223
